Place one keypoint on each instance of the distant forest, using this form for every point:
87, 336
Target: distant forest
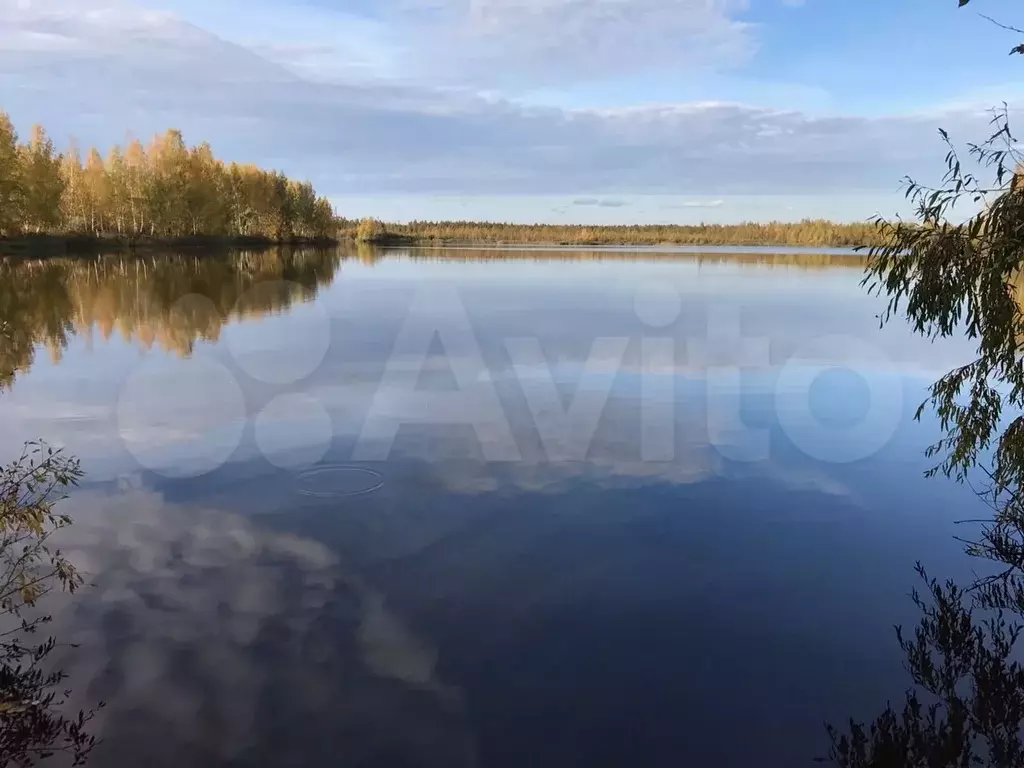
164, 190
167, 190
810, 232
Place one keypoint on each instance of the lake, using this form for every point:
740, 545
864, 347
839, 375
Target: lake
467, 507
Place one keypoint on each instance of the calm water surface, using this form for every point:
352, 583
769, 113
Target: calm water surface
480, 508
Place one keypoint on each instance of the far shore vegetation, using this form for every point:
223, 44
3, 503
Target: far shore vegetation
169, 193
813, 233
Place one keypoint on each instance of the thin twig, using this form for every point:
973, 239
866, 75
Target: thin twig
1001, 25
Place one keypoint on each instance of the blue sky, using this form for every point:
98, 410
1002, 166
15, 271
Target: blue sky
657, 110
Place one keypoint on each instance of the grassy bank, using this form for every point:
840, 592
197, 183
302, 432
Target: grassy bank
807, 233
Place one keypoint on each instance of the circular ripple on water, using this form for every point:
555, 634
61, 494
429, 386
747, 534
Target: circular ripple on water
76, 419
339, 480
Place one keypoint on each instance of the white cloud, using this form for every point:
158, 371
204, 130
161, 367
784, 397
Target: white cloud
695, 204
605, 203
153, 71
510, 41
194, 615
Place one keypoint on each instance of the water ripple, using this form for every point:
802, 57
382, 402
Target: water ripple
339, 480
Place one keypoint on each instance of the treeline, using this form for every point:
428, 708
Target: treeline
165, 190
810, 232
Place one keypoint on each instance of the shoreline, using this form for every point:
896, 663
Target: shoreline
76, 245
37, 246
426, 242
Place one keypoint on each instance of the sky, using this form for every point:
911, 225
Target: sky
590, 111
